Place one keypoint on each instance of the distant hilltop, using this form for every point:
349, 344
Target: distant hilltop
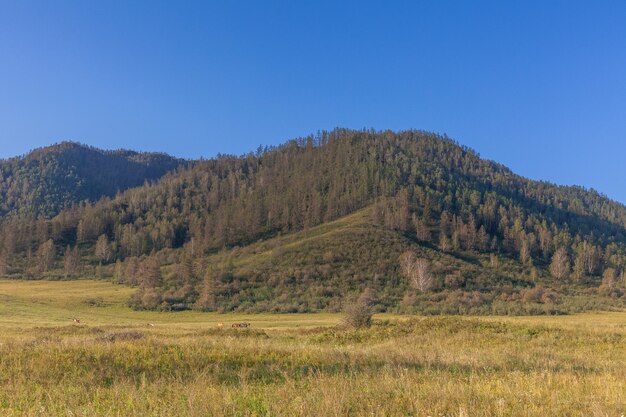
49, 179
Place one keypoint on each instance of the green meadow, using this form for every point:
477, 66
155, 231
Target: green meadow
120, 362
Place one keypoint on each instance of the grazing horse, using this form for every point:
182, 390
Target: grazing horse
240, 325
77, 321
150, 325
220, 325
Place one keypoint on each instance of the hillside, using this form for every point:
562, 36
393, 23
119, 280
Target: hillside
309, 224
47, 180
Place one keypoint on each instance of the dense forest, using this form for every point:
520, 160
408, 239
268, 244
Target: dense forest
47, 180
422, 222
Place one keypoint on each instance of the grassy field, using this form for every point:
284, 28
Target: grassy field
115, 364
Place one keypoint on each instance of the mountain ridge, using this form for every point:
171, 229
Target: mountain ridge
490, 236
49, 179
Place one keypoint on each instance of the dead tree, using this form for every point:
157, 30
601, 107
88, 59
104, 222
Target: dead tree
417, 271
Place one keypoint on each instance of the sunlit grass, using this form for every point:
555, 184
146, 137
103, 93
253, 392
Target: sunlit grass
114, 364
28, 304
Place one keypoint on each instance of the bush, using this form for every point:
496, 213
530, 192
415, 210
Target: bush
357, 315
540, 295
95, 302
145, 299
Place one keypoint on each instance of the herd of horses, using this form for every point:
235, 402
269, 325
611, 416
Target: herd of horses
235, 325
242, 325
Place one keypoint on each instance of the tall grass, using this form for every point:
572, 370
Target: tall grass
423, 366
115, 364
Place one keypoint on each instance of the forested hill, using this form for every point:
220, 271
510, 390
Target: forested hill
302, 226
47, 180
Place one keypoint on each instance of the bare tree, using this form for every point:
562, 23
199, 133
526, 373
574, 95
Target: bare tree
560, 265
417, 271
71, 261
103, 249
587, 259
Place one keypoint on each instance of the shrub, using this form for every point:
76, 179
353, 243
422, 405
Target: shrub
468, 299
95, 302
358, 314
540, 295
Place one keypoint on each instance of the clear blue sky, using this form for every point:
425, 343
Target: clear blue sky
537, 85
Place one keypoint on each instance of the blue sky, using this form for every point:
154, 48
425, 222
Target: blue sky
539, 86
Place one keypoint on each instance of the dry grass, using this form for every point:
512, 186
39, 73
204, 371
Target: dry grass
114, 364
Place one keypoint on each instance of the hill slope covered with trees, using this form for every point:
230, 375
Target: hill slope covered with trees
47, 180
303, 226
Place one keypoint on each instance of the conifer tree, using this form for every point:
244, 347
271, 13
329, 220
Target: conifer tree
45, 256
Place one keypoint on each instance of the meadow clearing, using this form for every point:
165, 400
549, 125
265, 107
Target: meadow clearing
120, 362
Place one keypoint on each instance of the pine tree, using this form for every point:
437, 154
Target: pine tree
151, 273
524, 252
482, 239
45, 256
422, 230
444, 243
494, 261
4, 265
206, 299
7, 248
131, 271
118, 272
